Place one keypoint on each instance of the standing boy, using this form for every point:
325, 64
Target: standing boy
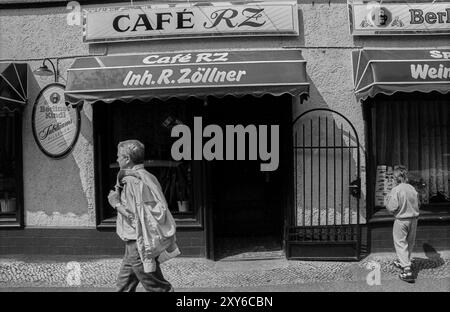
403, 202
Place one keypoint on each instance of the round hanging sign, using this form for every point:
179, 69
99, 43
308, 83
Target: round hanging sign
55, 126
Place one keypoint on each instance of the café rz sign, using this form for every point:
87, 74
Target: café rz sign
188, 19
396, 18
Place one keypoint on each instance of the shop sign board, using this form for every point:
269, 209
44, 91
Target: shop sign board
398, 18
189, 19
183, 70
55, 126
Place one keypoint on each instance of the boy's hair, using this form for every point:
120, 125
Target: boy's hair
134, 149
401, 174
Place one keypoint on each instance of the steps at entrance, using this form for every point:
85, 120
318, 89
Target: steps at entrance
249, 248
255, 255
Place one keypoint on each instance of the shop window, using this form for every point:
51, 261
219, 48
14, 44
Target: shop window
150, 123
10, 169
413, 130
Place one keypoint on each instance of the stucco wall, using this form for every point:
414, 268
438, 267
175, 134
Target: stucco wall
61, 192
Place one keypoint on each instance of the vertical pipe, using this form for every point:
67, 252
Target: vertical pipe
319, 172
357, 201
342, 173
349, 179
326, 173
304, 173
312, 165
295, 179
334, 171
358, 177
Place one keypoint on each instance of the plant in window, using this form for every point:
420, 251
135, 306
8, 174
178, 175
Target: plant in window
421, 188
182, 188
176, 187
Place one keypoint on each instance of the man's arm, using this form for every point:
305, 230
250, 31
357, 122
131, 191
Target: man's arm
114, 201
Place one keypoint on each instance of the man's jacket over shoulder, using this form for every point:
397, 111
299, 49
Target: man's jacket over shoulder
155, 225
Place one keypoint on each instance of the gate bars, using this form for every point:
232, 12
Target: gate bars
309, 227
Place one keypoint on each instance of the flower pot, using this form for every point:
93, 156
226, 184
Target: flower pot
183, 205
8, 205
3, 205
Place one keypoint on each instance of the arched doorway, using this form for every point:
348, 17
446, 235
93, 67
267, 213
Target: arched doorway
325, 223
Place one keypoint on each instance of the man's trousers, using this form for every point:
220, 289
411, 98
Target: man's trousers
132, 272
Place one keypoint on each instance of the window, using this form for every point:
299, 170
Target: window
10, 169
413, 130
150, 123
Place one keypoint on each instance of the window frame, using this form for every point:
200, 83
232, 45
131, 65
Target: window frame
16, 221
101, 165
428, 211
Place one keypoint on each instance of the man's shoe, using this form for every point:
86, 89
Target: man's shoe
397, 264
407, 275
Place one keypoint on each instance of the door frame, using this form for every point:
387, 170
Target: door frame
287, 188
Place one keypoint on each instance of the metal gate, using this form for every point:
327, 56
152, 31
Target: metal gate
325, 224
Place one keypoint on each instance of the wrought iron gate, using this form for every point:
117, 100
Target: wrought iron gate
325, 224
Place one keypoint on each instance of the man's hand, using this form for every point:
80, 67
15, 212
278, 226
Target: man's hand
126, 213
113, 198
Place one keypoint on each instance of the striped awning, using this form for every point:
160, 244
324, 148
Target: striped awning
184, 74
388, 71
13, 86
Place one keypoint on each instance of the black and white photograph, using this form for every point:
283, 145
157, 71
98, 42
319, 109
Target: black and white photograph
234, 149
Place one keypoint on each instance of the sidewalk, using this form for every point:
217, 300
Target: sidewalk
198, 274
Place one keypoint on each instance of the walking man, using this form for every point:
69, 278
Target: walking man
138, 198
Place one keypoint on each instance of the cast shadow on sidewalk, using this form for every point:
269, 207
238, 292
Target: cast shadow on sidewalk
433, 260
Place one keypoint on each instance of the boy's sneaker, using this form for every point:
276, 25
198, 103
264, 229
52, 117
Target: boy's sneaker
397, 264
407, 275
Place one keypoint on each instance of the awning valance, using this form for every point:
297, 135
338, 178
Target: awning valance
184, 74
13, 86
388, 71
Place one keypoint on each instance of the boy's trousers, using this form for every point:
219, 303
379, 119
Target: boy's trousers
404, 233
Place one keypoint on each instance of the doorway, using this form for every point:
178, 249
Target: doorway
248, 205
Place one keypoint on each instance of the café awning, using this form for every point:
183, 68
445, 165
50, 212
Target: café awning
388, 71
184, 74
13, 86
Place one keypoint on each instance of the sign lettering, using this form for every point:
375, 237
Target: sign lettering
395, 18
55, 125
181, 20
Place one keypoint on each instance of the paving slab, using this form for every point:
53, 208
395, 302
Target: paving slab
19, 271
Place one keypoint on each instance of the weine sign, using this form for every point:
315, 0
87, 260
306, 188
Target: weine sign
396, 18
182, 20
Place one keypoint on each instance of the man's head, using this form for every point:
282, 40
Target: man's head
130, 153
400, 174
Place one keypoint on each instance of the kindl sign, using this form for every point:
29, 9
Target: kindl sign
184, 20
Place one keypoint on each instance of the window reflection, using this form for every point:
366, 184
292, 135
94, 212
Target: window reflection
151, 123
8, 164
414, 131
